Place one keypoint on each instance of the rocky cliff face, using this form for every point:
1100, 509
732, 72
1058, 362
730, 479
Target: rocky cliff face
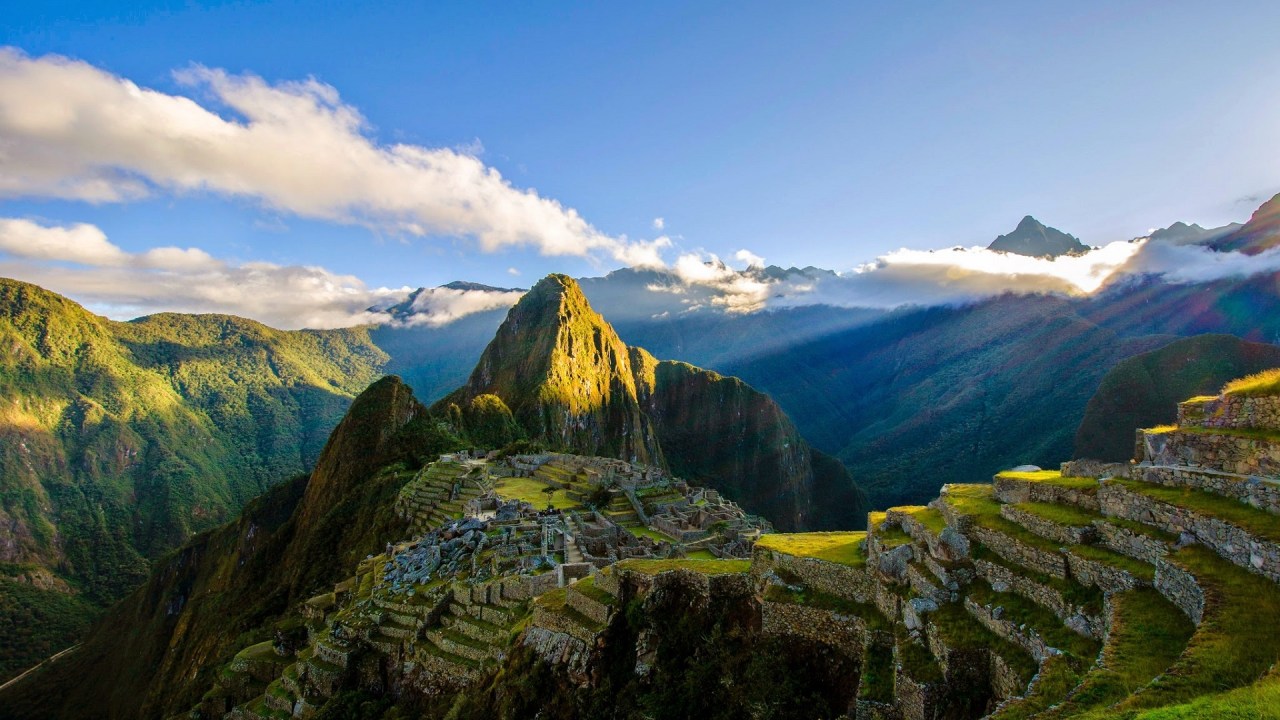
572, 384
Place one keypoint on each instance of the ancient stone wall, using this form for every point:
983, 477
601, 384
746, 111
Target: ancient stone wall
842, 581
846, 633
1237, 454
1229, 541
1066, 534
1049, 563
1180, 588
1260, 492
1260, 413
1012, 490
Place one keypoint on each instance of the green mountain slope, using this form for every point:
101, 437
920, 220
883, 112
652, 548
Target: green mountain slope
571, 383
152, 655
1144, 390
118, 441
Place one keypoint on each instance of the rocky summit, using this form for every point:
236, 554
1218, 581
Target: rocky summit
1035, 239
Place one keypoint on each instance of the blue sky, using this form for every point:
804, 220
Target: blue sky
826, 134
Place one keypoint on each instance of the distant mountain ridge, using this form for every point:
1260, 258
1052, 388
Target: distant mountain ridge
1035, 239
1260, 233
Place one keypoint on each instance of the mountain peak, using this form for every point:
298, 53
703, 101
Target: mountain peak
1035, 239
1262, 232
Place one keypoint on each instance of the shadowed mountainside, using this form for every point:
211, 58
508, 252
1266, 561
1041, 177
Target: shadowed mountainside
1144, 390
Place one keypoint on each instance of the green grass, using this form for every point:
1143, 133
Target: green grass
930, 518
978, 502
1260, 701
892, 537
1259, 523
531, 490
1021, 611
844, 548
1237, 642
701, 555
1148, 633
1266, 382
960, 630
1058, 676
1068, 515
706, 567
587, 586
1137, 568
650, 533
917, 662
877, 675
1052, 477
823, 601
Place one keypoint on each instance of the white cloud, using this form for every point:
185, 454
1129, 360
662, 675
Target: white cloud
955, 275
440, 306
70, 130
751, 259
734, 290
125, 285
659, 223
515, 272
79, 243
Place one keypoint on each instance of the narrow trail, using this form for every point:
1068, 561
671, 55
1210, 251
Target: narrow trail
39, 665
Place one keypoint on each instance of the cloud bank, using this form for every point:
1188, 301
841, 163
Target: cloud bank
950, 276
70, 130
439, 306
78, 260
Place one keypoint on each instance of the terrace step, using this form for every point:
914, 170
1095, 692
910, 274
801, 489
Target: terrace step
1027, 624
1244, 535
1244, 452
1046, 486
1235, 643
1261, 492
1147, 635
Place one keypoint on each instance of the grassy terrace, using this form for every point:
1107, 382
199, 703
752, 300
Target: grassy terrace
1089, 598
1259, 523
1021, 611
1266, 382
844, 548
698, 565
822, 601
1068, 515
917, 661
531, 490
1058, 676
930, 518
650, 533
1148, 633
587, 586
960, 630
1052, 477
1236, 644
979, 503
893, 537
